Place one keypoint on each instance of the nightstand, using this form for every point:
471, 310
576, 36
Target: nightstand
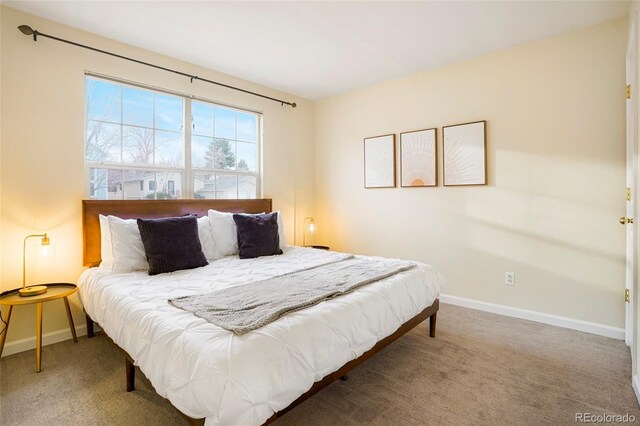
54, 291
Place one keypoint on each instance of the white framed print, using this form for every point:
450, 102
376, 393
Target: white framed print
418, 158
464, 153
380, 161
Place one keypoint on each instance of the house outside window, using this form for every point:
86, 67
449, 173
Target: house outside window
137, 145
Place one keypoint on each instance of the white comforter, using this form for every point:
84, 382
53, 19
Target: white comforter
206, 371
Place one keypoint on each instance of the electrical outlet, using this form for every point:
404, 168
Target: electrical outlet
510, 278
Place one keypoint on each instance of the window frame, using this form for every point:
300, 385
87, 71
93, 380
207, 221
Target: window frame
187, 171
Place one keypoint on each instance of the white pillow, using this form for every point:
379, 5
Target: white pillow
206, 238
106, 251
225, 233
128, 250
281, 236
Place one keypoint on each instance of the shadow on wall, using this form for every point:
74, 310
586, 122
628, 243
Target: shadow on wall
551, 220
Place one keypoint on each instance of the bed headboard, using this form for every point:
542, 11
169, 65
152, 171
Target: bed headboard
131, 209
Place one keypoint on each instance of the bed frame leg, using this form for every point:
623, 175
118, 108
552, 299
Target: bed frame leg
89, 326
432, 324
131, 374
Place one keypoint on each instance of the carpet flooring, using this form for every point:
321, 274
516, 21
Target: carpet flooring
481, 369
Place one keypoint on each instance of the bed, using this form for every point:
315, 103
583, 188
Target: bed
214, 377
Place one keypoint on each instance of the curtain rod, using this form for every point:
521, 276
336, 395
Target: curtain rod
27, 30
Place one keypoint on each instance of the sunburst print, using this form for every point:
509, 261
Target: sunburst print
464, 154
418, 158
379, 162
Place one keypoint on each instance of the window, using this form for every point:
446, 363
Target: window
224, 152
138, 147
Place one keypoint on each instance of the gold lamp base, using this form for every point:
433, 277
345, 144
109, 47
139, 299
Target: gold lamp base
34, 290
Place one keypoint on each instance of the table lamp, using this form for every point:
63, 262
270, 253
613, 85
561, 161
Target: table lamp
309, 225
33, 290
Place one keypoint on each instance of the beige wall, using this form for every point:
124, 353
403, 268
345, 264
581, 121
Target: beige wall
555, 150
556, 166
42, 171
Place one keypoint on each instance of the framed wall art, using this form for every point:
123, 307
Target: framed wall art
418, 160
380, 161
465, 154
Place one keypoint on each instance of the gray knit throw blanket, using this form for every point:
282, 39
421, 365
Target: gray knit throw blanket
246, 307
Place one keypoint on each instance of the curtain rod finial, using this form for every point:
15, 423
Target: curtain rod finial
293, 105
26, 30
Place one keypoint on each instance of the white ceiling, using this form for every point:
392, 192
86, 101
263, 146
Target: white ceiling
318, 49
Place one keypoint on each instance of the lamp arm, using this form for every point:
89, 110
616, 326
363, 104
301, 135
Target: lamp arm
24, 256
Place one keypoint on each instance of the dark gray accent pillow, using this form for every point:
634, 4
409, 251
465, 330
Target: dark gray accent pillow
171, 244
257, 235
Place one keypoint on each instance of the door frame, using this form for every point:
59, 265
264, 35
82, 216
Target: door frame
631, 175
632, 166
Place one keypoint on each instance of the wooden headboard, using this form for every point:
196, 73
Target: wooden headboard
131, 209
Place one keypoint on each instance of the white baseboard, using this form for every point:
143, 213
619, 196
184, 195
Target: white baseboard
558, 321
636, 387
29, 343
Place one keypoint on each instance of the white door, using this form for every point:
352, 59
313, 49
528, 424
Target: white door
627, 220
